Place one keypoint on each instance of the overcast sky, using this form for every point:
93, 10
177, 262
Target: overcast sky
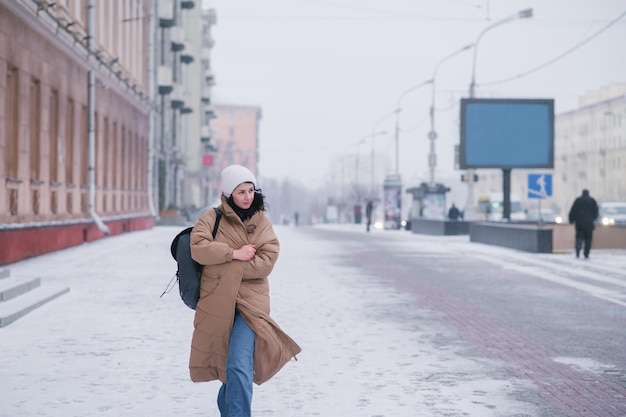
329, 73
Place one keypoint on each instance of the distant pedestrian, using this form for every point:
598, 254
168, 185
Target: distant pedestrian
235, 340
454, 213
583, 213
296, 218
369, 208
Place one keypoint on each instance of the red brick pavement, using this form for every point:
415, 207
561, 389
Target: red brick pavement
575, 392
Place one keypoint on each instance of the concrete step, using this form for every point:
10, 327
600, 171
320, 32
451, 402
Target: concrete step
19, 306
5, 273
12, 287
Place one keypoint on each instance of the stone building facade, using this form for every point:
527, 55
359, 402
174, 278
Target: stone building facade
74, 123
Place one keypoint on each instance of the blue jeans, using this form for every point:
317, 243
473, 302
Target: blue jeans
235, 396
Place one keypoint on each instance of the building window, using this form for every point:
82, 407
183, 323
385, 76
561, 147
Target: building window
136, 163
98, 150
106, 143
11, 108
69, 141
36, 200
127, 138
106, 172
35, 129
70, 202
123, 156
84, 145
54, 201
53, 131
144, 155
115, 158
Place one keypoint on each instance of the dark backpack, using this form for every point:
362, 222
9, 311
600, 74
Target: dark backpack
189, 273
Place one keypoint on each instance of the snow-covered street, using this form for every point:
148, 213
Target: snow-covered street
112, 347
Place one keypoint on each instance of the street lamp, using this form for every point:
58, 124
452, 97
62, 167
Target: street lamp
373, 157
359, 143
432, 135
522, 14
357, 186
398, 110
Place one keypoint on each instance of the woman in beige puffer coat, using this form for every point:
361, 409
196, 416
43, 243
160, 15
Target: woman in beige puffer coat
235, 340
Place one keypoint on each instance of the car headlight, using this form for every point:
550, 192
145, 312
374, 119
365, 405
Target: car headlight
608, 221
378, 225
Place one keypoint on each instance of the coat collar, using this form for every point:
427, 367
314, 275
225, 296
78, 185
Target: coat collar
250, 224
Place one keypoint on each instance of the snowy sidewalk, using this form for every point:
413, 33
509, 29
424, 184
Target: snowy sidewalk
112, 347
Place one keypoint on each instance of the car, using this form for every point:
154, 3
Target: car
613, 213
492, 206
546, 215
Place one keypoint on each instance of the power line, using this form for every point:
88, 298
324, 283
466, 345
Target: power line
405, 18
558, 57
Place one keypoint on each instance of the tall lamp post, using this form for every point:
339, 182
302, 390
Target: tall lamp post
398, 110
373, 169
357, 187
432, 135
393, 183
359, 143
470, 210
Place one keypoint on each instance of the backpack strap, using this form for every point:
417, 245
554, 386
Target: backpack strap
217, 220
174, 244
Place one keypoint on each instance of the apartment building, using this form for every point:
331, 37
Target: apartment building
74, 125
236, 135
105, 111
590, 151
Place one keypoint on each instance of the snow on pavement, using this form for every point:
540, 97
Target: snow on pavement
112, 347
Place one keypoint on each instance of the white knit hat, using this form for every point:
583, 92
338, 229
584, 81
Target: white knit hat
234, 175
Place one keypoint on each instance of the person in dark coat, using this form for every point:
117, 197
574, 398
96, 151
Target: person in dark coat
583, 213
454, 213
369, 208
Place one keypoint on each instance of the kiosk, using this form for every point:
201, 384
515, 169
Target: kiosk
393, 201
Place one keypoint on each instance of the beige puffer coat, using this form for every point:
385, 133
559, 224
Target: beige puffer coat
227, 283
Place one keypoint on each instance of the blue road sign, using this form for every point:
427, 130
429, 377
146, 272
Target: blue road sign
539, 185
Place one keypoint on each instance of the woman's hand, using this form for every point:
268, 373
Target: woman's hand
246, 253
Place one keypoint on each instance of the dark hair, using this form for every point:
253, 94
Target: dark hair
258, 204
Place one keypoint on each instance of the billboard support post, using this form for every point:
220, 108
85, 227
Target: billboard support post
506, 193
